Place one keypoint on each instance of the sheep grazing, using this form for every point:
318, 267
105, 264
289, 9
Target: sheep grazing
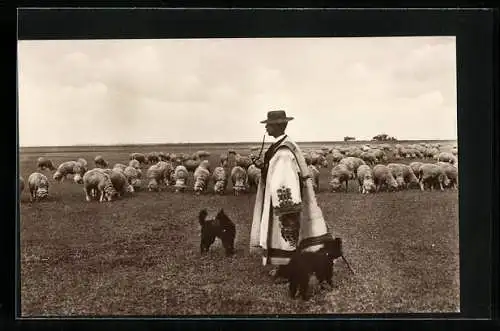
202, 155
409, 176
163, 157
379, 154
446, 157
156, 176
451, 172
365, 179
152, 158
119, 167
243, 161
141, 158
201, 177
397, 172
168, 169
220, 180
191, 164
134, 164
383, 178
340, 174
454, 151
223, 160
369, 158
39, 186
254, 175
43, 163
97, 182
82, 162
352, 163
315, 176
336, 157
133, 179
21, 184
69, 168
100, 162
181, 177
432, 175
239, 178
415, 166
119, 180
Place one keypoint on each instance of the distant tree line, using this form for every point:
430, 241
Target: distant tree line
383, 137
347, 138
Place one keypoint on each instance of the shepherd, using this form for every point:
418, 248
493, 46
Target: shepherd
286, 215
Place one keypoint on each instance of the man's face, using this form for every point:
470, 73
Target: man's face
274, 129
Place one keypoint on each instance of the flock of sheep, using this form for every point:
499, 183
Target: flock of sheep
366, 164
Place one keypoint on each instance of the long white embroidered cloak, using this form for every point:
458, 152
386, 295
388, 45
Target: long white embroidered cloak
287, 192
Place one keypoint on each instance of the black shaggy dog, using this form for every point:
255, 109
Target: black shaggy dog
220, 227
304, 264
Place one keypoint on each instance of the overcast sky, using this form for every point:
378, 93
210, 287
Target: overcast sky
217, 90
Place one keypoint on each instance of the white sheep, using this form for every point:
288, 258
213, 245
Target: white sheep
69, 168
239, 179
352, 164
133, 179
43, 163
82, 162
379, 154
141, 158
315, 176
220, 177
451, 173
97, 182
383, 178
365, 179
415, 166
243, 161
446, 157
340, 174
181, 176
168, 169
38, 185
398, 174
433, 175
21, 184
100, 162
369, 157
119, 180
134, 164
152, 157
156, 176
191, 164
254, 175
411, 180
119, 167
201, 177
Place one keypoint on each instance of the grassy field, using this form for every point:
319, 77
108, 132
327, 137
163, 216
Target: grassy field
140, 255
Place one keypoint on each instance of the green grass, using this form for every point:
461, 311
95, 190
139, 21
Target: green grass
140, 255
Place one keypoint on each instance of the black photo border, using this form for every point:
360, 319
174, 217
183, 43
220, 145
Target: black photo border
477, 102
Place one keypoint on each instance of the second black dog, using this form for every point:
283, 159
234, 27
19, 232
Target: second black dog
304, 264
220, 227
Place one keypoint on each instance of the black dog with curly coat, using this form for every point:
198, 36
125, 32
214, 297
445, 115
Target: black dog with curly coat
304, 264
220, 227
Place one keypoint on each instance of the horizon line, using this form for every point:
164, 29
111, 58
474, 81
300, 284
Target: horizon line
232, 142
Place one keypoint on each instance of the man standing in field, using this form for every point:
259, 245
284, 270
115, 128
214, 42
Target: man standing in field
286, 215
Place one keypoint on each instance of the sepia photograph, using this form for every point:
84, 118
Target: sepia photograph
231, 176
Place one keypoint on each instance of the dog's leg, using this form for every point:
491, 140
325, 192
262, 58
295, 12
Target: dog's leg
292, 288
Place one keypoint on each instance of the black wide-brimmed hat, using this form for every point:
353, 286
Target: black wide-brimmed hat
276, 116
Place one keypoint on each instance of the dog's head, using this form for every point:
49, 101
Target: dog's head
333, 248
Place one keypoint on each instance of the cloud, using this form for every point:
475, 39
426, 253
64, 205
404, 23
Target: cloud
219, 89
